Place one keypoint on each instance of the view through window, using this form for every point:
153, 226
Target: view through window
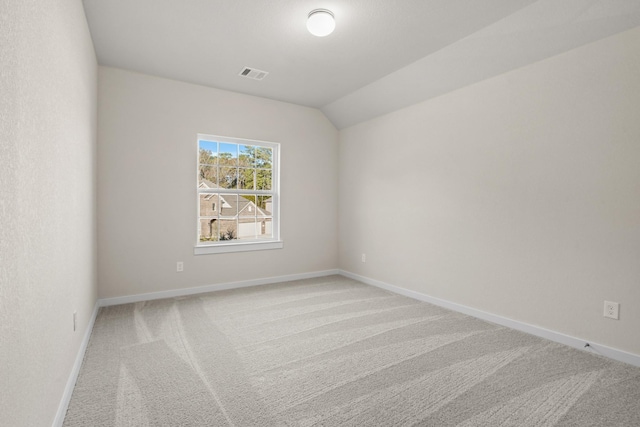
237, 191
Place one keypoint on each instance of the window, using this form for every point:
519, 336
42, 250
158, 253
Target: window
240, 178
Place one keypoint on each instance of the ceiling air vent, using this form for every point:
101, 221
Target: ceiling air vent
252, 73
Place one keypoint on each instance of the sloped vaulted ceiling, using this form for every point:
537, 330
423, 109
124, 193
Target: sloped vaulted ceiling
383, 55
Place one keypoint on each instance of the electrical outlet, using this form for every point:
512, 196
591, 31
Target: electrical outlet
180, 266
75, 320
612, 310
364, 258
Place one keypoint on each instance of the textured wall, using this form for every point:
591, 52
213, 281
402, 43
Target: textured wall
519, 195
146, 176
48, 87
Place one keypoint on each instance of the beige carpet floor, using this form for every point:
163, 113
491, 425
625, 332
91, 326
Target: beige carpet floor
335, 352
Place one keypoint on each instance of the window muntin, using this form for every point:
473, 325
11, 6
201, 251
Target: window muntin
237, 184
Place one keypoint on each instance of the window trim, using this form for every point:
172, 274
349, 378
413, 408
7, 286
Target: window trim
221, 248
242, 245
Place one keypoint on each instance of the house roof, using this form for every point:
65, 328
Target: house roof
206, 183
235, 204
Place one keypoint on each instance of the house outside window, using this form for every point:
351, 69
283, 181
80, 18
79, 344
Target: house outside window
238, 195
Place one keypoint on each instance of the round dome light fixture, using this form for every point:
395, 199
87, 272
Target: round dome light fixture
321, 22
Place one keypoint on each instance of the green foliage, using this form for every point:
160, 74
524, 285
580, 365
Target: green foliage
246, 178
226, 159
247, 157
207, 157
227, 177
264, 157
252, 170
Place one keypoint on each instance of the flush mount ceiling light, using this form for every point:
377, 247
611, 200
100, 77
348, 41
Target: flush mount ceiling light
321, 22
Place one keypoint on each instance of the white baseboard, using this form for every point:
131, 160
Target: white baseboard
104, 302
612, 353
73, 376
75, 370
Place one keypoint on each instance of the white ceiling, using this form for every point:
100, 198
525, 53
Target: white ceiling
383, 55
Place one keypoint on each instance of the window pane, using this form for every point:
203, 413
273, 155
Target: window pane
229, 205
208, 152
209, 231
208, 177
264, 157
247, 205
247, 156
228, 155
263, 179
209, 205
265, 205
226, 165
264, 228
228, 229
246, 179
247, 228
228, 177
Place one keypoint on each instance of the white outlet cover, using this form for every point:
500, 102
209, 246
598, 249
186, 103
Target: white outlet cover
612, 310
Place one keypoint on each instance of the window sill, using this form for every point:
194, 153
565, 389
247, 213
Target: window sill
237, 247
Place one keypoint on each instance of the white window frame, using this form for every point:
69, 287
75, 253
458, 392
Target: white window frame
202, 248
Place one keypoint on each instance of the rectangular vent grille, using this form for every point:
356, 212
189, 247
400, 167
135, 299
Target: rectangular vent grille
252, 73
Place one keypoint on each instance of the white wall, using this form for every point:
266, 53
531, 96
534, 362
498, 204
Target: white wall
519, 195
146, 176
48, 89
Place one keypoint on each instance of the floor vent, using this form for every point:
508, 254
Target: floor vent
252, 73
